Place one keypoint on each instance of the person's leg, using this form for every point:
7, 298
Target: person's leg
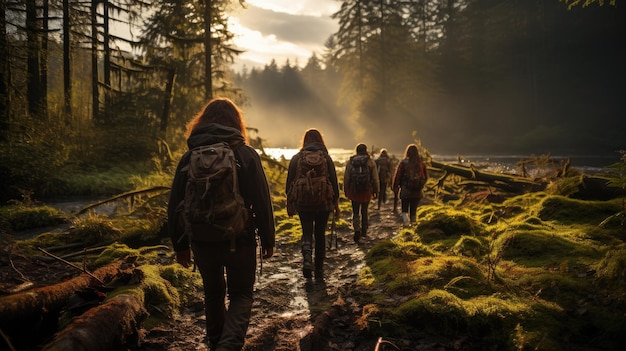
356, 220
321, 222
413, 209
383, 192
405, 211
208, 259
306, 220
240, 275
364, 218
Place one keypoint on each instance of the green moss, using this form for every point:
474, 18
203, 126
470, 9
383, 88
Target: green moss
470, 246
611, 269
446, 223
572, 211
21, 217
541, 248
113, 253
162, 299
187, 282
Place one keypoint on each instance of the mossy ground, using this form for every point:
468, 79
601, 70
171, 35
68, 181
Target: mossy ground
509, 282
540, 271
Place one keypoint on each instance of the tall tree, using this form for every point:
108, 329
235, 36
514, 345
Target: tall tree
67, 63
4, 76
33, 38
191, 39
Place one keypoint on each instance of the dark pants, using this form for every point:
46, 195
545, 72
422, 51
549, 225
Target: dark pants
382, 195
314, 225
360, 217
226, 328
410, 206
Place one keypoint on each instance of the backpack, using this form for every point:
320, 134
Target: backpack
414, 180
359, 174
312, 186
214, 209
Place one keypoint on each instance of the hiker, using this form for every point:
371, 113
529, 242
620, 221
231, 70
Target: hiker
221, 121
385, 171
312, 193
411, 176
360, 185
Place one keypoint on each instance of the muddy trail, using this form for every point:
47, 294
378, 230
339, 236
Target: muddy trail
293, 313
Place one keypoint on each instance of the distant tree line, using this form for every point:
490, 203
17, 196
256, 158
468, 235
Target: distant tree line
463, 75
497, 76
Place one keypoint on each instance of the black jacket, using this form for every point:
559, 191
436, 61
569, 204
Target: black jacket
252, 184
332, 173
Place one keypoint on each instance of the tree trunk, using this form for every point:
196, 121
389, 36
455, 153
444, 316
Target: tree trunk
109, 326
30, 307
33, 65
208, 50
106, 66
4, 64
95, 97
169, 87
507, 182
67, 72
43, 71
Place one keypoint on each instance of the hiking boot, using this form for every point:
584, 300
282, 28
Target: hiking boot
364, 232
405, 219
357, 236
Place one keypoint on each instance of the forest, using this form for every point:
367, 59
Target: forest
466, 76
495, 261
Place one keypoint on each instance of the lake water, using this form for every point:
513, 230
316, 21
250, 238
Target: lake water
491, 163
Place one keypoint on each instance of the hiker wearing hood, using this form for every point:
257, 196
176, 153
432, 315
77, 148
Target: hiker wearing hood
360, 185
312, 192
408, 182
221, 122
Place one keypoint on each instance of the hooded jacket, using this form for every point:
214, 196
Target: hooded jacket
332, 173
252, 185
374, 188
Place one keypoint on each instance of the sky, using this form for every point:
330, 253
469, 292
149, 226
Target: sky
282, 30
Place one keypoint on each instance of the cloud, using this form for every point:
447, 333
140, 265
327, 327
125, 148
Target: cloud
282, 30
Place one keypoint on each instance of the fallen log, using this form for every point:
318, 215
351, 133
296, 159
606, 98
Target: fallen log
506, 182
31, 307
109, 326
127, 195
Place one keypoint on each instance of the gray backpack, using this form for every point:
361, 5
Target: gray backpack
214, 209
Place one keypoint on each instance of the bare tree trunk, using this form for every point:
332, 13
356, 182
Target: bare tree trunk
171, 78
208, 49
106, 69
33, 65
4, 64
95, 97
67, 71
44, 63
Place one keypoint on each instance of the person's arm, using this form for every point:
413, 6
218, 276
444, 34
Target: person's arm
175, 224
346, 179
255, 190
374, 177
332, 174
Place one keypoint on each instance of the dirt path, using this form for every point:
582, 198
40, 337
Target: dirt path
291, 313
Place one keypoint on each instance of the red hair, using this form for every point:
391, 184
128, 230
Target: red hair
222, 111
312, 135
